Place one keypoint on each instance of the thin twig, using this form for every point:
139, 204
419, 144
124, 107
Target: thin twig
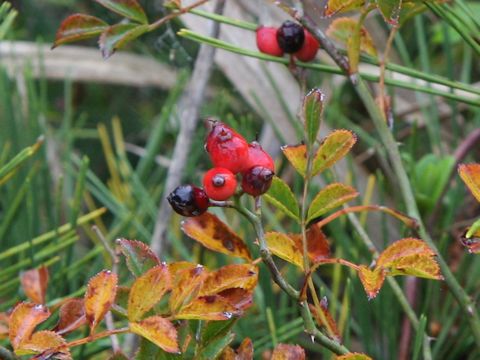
181, 11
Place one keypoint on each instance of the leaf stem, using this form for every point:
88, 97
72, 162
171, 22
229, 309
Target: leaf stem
181, 11
393, 152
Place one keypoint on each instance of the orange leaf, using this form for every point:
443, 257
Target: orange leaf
243, 276
43, 341
240, 298
211, 307
4, 320
245, 350
297, 156
23, 320
343, 29
175, 267
99, 297
148, 290
285, 248
140, 258
353, 356
372, 281
410, 257
34, 283
470, 174
331, 322
158, 330
215, 235
228, 354
329, 198
288, 352
186, 287
317, 244
71, 316
334, 147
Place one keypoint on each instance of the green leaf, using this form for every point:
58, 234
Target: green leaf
343, 30
333, 7
117, 36
128, 8
140, 258
215, 347
390, 10
78, 27
333, 148
282, 197
330, 197
312, 111
214, 330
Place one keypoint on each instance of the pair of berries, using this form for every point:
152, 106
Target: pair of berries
290, 38
231, 155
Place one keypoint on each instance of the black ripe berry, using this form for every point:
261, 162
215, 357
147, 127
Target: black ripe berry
290, 37
257, 180
188, 200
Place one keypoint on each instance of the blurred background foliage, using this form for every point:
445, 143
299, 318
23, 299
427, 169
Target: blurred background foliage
108, 146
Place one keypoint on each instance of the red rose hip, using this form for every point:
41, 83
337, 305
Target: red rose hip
226, 148
309, 48
257, 180
188, 200
258, 157
267, 41
219, 183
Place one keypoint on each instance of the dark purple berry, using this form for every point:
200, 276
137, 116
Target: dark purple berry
290, 37
257, 180
188, 200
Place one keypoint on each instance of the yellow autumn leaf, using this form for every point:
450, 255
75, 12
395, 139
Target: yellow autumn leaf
372, 280
159, 331
470, 174
23, 320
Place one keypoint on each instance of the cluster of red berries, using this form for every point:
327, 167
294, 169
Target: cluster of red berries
231, 155
290, 38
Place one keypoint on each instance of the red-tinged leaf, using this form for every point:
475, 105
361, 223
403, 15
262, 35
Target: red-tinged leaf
140, 258
334, 147
42, 341
312, 111
23, 320
186, 287
147, 291
284, 247
318, 247
240, 298
4, 320
228, 354
372, 281
353, 356
470, 174
177, 266
159, 331
130, 9
117, 36
472, 243
328, 317
410, 257
317, 244
329, 198
288, 352
344, 29
245, 350
211, 307
78, 27
390, 10
99, 297
333, 7
34, 284
297, 156
71, 316
243, 276
281, 196
215, 235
